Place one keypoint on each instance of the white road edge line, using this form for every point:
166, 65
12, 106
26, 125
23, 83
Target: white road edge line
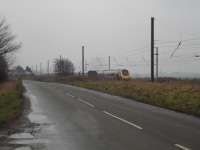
87, 103
70, 95
123, 120
181, 147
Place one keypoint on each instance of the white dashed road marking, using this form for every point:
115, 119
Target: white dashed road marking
70, 95
85, 102
181, 147
123, 120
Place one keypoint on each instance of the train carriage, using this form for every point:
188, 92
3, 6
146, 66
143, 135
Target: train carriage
115, 74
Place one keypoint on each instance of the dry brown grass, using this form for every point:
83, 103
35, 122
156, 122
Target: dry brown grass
175, 94
180, 96
7, 86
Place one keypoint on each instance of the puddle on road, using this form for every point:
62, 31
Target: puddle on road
29, 142
21, 136
23, 148
36, 135
37, 118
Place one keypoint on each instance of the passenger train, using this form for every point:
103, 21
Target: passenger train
115, 74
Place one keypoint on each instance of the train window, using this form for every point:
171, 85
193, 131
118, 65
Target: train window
125, 72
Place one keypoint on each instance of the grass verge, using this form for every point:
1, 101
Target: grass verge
178, 96
10, 101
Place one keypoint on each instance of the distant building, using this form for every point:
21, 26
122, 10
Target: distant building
92, 74
18, 72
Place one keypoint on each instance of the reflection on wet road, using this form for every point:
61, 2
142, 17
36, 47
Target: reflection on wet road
36, 136
69, 118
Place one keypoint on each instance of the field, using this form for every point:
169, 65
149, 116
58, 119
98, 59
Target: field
182, 96
10, 101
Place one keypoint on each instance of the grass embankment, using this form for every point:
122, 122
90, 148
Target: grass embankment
178, 96
10, 101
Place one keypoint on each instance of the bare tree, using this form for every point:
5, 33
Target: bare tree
7, 39
7, 46
63, 66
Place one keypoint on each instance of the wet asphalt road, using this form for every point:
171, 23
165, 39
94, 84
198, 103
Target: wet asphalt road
81, 119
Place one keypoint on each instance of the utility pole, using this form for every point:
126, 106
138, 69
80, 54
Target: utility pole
109, 63
40, 68
48, 67
83, 61
60, 66
156, 63
152, 49
36, 69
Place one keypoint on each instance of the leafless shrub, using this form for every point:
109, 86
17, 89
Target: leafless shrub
63, 66
7, 46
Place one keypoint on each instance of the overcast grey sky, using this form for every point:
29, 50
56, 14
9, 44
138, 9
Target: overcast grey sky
119, 28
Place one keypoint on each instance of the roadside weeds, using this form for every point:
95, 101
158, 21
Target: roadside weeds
11, 102
175, 96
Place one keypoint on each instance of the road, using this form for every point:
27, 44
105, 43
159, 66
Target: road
81, 119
